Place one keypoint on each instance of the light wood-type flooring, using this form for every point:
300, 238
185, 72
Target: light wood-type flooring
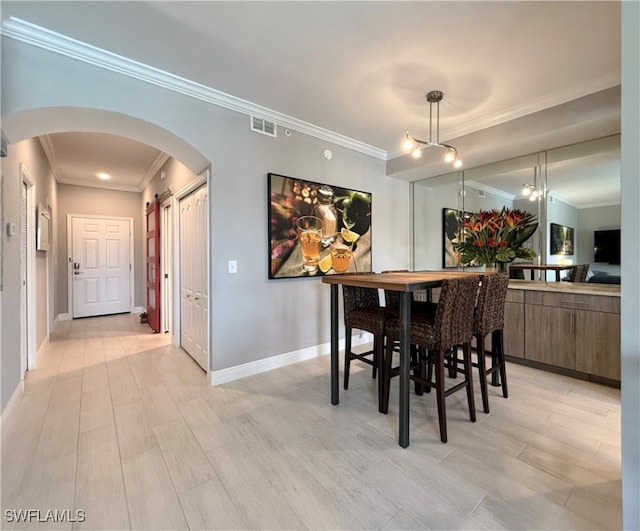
119, 424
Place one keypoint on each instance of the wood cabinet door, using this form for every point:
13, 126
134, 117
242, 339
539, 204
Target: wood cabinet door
550, 335
514, 329
598, 343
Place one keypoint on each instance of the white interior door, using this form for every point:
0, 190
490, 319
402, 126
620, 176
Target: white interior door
101, 266
193, 275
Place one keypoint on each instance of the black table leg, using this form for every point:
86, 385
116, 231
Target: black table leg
335, 354
405, 353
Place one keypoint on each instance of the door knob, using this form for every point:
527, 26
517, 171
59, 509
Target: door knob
78, 272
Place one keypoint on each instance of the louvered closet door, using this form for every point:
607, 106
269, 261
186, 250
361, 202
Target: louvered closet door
193, 275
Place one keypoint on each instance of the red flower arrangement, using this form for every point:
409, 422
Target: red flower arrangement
493, 236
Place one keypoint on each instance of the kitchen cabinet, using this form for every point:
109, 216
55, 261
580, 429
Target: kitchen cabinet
565, 329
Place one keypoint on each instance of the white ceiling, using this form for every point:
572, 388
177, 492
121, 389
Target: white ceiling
360, 69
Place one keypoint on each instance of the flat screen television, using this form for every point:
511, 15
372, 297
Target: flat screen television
606, 246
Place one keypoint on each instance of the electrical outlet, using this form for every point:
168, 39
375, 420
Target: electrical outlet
233, 266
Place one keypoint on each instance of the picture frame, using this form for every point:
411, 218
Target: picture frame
43, 229
451, 220
562, 240
344, 247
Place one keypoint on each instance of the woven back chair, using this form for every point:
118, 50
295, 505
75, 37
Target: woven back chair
437, 333
489, 319
579, 273
362, 311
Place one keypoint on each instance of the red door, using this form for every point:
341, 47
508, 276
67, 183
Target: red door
153, 265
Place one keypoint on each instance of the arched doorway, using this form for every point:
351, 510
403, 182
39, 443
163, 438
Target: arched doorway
33, 123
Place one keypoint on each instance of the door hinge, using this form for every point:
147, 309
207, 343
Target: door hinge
166, 275
129, 267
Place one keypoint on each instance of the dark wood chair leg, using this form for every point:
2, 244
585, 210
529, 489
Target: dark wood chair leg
379, 365
429, 360
466, 352
499, 340
482, 372
417, 371
347, 356
438, 361
375, 357
386, 376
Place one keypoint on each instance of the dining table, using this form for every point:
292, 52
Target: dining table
539, 267
406, 283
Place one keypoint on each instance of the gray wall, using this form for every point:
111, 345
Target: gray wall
28, 152
252, 318
74, 199
630, 169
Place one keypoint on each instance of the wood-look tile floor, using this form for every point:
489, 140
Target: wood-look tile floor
119, 424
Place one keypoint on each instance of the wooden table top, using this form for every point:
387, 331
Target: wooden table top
397, 281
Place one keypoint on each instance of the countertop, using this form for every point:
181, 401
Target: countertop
582, 288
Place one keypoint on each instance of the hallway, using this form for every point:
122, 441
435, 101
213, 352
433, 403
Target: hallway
119, 424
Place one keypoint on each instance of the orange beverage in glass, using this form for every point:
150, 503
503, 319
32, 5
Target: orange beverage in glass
310, 235
340, 257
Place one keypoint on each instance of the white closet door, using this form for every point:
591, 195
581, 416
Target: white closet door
193, 275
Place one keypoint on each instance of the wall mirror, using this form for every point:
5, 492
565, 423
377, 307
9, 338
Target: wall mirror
435, 202
576, 187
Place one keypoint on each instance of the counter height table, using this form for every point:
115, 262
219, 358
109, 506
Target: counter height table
405, 283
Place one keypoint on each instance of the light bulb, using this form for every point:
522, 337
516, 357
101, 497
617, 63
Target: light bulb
526, 191
408, 143
416, 153
457, 163
449, 156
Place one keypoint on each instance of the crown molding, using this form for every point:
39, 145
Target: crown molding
495, 191
52, 41
153, 170
50, 153
105, 186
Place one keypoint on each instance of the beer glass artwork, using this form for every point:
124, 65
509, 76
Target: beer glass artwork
340, 256
310, 235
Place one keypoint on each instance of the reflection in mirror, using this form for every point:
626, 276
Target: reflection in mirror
584, 195
433, 199
517, 184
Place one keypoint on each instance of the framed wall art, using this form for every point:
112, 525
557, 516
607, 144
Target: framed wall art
317, 229
450, 227
561, 239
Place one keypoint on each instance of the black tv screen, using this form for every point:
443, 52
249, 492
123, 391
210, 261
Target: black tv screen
606, 246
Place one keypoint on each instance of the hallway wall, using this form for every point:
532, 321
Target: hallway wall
98, 202
252, 318
28, 152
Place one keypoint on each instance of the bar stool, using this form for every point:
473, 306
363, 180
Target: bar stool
489, 319
435, 335
362, 311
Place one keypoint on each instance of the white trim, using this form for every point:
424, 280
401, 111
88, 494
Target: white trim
138, 309
63, 317
52, 41
70, 253
281, 360
29, 363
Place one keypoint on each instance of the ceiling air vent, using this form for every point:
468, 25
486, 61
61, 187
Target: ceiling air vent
266, 127
481, 193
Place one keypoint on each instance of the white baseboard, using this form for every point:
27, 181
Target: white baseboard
138, 309
281, 360
62, 317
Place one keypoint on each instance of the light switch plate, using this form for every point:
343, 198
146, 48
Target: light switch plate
233, 266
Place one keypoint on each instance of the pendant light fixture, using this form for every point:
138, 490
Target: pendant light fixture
415, 145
